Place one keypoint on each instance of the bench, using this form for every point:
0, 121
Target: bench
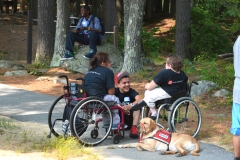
7, 4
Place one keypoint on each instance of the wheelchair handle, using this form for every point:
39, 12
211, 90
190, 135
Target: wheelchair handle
190, 87
80, 78
195, 82
66, 77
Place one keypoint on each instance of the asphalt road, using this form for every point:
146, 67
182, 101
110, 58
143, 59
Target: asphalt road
33, 108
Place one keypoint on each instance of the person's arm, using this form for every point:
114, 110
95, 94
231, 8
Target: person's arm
137, 99
96, 27
150, 86
77, 29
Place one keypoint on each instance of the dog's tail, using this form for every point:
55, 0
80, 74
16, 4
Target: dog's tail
130, 145
196, 150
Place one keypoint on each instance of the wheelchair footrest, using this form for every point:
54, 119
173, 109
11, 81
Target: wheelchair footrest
115, 126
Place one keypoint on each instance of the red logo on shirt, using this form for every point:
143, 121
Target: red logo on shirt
169, 82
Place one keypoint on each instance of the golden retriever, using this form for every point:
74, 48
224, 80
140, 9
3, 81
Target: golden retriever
180, 144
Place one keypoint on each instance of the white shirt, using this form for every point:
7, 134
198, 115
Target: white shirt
85, 24
236, 56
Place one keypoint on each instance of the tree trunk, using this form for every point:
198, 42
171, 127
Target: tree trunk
133, 36
148, 9
126, 5
110, 18
29, 5
119, 7
183, 33
62, 28
77, 14
1, 6
22, 6
86, 2
95, 10
173, 7
35, 11
14, 7
159, 6
166, 7
46, 32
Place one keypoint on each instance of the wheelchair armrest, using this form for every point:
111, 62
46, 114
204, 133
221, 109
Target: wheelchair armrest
110, 103
162, 101
171, 100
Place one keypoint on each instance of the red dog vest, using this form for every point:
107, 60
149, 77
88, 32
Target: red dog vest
163, 136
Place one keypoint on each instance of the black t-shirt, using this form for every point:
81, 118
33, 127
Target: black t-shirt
98, 81
131, 94
170, 81
128, 119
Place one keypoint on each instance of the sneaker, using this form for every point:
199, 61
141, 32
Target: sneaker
67, 55
153, 117
66, 127
134, 132
88, 56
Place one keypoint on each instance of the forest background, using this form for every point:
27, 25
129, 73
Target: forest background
200, 32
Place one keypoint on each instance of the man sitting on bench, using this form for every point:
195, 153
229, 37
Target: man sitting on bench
87, 32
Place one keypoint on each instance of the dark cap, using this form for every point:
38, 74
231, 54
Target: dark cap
119, 76
86, 7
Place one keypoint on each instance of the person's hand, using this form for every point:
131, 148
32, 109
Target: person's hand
76, 30
126, 109
83, 28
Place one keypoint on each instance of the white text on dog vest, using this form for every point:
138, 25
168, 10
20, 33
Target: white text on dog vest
163, 136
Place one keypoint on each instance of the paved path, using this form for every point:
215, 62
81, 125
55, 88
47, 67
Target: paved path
33, 107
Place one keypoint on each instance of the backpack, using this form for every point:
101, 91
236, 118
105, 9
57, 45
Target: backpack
101, 23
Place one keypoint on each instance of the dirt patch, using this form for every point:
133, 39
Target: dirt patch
13, 39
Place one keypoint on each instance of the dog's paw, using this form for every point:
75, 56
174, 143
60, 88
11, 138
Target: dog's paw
120, 146
161, 152
178, 155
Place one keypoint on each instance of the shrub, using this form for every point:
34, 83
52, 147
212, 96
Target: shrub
209, 37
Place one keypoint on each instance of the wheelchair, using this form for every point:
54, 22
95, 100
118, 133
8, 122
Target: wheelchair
85, 116
178, 114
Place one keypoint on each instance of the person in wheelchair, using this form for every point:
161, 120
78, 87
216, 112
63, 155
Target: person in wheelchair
99, 81
164, 85
122, 91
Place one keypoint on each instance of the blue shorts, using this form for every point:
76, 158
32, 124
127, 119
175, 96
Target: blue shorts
235, 128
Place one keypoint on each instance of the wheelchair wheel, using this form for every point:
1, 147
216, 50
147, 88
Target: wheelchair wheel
55, 115
185, 117
162, 120
86, 121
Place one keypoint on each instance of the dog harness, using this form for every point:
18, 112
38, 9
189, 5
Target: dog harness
161, 135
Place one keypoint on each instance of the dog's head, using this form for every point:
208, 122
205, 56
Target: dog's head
147, 125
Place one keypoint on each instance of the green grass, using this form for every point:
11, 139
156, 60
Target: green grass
27, 140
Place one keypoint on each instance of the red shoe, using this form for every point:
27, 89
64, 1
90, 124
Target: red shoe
134, 132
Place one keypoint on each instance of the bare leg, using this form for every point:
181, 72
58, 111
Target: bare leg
236, 146
136, 115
